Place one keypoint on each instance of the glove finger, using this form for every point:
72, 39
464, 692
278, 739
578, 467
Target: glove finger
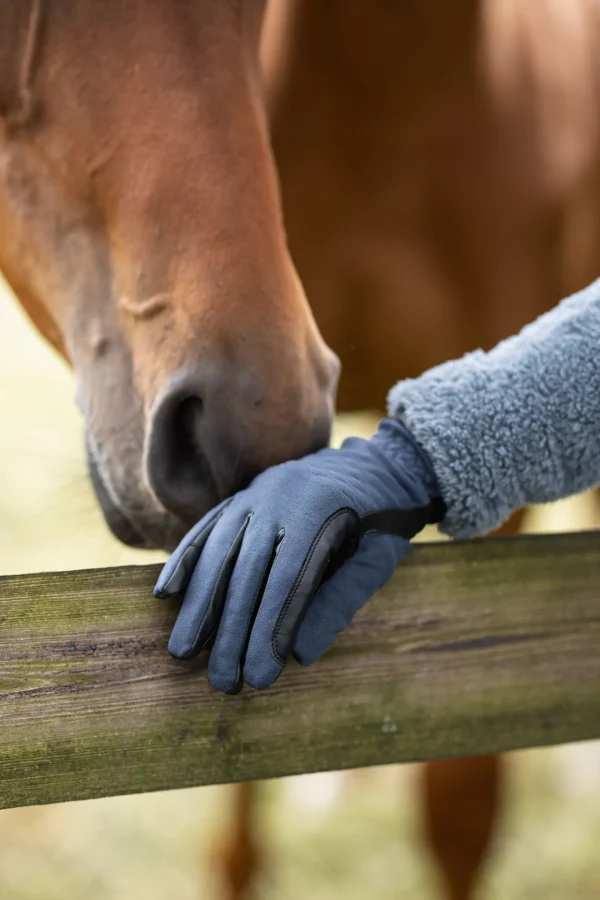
295, 575
178, 569
246, 586
340, 598
205, 594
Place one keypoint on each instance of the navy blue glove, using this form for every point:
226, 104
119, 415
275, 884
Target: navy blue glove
284, 565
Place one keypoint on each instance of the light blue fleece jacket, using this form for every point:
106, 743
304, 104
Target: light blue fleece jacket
517, 425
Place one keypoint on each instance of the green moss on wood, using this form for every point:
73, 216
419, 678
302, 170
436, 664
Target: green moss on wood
472, 648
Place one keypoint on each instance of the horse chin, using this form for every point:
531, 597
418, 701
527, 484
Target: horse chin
153, 529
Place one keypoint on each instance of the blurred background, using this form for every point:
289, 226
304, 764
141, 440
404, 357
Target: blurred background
327, 836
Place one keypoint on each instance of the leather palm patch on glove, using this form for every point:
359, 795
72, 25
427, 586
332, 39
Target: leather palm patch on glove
283, 566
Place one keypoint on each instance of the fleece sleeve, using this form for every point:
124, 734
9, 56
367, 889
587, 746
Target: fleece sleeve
517, 425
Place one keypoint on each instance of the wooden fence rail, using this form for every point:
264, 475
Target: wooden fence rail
475, 647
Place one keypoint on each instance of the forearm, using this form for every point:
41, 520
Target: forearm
517, 425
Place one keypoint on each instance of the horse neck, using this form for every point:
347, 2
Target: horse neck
393, 53
402, 56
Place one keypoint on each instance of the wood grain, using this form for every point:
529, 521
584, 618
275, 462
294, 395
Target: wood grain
472, 648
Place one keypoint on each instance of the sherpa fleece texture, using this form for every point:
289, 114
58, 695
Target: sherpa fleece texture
517, 425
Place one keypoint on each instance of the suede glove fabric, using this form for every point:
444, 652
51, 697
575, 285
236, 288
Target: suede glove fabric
285, 564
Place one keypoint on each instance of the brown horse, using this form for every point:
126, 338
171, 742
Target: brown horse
440, 174
141, 230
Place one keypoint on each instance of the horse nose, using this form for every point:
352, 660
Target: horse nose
214, 428
187, 448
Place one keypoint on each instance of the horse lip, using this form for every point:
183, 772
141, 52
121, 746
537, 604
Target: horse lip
163, 534
125, 530
120, 525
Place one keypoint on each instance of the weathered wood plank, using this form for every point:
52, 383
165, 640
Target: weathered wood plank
475, 647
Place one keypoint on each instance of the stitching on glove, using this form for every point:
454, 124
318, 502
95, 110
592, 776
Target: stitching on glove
294, 589
238, 684
197, 544
235, 548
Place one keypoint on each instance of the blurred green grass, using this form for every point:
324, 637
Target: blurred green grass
327, 836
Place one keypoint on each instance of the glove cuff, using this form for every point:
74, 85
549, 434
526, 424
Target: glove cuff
402, 450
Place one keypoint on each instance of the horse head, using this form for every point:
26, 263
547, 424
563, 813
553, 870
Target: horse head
141, 229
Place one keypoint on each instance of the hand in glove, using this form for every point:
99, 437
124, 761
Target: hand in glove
285, 564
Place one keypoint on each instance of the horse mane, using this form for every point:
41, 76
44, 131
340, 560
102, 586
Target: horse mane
17, 111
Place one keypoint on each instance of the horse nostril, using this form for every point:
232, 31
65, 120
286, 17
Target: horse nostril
177, 467
186, 454
186, 451
207, 438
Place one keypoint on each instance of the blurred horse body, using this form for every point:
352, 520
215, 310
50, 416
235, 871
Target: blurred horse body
440, 175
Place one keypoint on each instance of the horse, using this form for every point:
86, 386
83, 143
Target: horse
435, 167
453, 156
141, 231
